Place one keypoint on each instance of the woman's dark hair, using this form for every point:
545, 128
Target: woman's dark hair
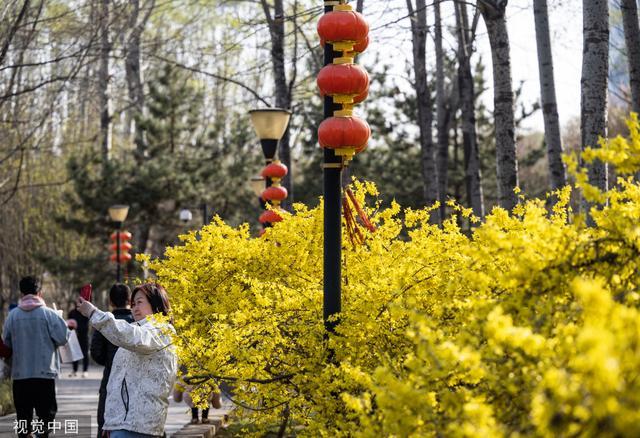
120, 295
156, 295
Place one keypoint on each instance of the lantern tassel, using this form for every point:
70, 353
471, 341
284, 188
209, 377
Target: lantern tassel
363, 216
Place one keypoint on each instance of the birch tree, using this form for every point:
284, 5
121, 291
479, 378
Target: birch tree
557, 172
629, 9
442, 114
104, 78
594, 82
424, 105
473, 179
493, 12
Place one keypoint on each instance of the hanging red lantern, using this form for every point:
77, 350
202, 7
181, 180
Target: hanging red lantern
274, 193
275, 170
346, 135
342, 81
343, 24
269, 216
124, 246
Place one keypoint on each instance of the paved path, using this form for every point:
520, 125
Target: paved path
79, 396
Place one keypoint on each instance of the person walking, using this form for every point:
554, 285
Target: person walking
33, 332
144, 368
103, 351
82, 331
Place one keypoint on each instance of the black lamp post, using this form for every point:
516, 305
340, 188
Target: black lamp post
118, 214
332, 170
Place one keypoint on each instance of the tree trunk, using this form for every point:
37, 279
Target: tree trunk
360, 6
442, 116
557, 172
473, 178
103, 82
133, 73
629, 10
493, 13
595, 67
282, 90
425, 113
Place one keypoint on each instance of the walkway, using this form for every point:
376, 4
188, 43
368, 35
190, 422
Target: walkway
79, 397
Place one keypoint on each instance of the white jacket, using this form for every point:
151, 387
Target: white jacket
142, 375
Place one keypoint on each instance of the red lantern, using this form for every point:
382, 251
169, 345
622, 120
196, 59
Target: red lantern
269, 216
343, 24
124, 246
275, 170
342, 81
343, 133
274, 193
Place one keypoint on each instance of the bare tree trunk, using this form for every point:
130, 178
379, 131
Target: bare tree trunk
629, 10
595, 68
104, 89
133, 73
557, 172
442, 116
493, 12
473, 178
283, 91
360, 6
423, 94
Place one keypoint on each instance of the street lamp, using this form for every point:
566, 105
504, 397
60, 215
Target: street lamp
270, 125
118, 214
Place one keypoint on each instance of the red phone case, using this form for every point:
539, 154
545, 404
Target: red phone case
85, 292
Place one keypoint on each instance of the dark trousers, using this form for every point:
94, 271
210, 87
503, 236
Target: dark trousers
38, 394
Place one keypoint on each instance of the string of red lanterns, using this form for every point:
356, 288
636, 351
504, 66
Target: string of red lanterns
346, 82
275, 193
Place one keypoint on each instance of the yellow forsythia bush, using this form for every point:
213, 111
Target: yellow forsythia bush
529, 327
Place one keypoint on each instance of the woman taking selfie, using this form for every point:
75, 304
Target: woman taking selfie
144, 367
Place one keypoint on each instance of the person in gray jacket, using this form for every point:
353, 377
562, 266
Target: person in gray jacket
33, 332
103, 351
144, 368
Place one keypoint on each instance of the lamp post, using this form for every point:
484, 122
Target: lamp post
270, 125
118, 214
344, 34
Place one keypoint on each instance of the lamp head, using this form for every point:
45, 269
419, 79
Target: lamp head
270, 123
186, 215
118, 213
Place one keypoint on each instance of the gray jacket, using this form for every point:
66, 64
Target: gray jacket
142, 374
34, 332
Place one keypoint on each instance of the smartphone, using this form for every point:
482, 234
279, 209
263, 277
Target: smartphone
85, 292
